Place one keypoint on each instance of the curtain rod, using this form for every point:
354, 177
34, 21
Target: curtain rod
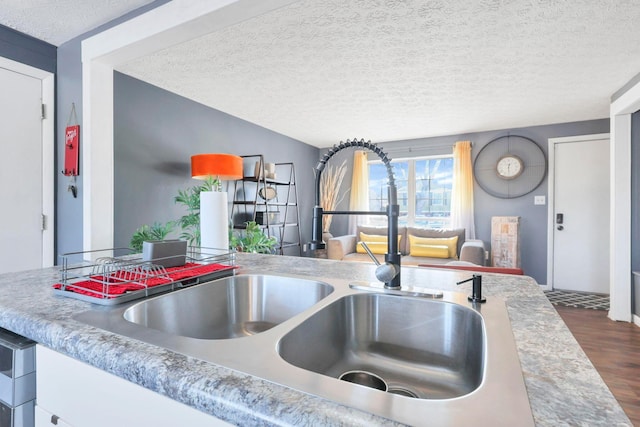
416, 147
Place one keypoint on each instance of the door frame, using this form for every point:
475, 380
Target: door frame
48, 149
624, 103
551, 195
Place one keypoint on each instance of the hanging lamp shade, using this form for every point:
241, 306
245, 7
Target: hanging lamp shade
214, 218
221, 166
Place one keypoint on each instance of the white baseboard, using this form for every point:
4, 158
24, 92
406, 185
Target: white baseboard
636, 319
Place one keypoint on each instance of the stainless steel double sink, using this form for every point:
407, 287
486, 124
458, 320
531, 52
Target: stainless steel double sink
446, 359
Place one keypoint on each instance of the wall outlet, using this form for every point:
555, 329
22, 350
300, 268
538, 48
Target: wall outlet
304, 248
539, 200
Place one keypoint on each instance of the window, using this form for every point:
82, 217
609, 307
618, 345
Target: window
424, 191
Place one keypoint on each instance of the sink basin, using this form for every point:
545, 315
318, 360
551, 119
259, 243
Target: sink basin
233, 307
407, 358
420, 348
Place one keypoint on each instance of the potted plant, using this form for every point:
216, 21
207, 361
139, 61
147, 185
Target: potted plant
252, 239
190, 198
157, 231
189, 223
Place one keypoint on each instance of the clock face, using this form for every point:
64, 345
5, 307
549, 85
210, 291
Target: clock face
509, 167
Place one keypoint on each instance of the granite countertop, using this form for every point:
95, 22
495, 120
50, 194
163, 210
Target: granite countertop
563, 386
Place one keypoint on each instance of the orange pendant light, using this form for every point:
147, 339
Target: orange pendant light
221, 166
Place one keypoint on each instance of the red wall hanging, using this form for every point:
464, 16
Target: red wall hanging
71, 150
72, 146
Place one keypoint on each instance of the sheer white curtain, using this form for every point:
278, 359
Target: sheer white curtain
462, 192
359, 200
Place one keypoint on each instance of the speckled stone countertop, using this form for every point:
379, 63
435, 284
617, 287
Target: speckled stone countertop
563, 386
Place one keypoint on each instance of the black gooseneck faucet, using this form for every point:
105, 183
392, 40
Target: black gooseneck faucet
389, 272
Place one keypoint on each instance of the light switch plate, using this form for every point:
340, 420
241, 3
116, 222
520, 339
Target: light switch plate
539, 200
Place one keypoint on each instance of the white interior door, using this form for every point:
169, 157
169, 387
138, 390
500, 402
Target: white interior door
21, 187
581, 215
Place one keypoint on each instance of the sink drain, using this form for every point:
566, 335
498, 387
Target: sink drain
402, 392
364, 378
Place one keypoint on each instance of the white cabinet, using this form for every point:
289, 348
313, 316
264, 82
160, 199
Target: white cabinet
47, 419
80, 395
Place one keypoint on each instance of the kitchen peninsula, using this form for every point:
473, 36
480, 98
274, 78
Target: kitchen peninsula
562, 385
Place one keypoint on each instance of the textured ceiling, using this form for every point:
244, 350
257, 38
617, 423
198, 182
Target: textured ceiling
324, 71
58, 21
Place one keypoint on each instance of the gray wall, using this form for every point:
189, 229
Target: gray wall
635, 204
68, 92
27, 50
169, 129
533, 218
155, 134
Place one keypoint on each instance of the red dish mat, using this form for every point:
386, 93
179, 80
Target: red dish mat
99, 287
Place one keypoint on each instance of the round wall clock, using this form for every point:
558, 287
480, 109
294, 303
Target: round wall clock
510, 166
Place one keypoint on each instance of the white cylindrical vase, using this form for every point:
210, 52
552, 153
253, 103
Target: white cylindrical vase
214, 221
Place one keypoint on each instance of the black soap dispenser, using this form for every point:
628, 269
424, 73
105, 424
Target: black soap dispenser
476, 292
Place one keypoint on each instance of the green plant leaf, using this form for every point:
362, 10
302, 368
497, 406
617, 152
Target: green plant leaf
157, 231
253, 239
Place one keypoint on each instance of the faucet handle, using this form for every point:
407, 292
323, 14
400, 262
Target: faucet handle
385, 272
371, 255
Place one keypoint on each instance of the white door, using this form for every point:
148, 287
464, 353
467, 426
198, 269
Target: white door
580, 215
21, 192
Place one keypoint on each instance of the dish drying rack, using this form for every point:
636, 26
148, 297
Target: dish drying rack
118, 275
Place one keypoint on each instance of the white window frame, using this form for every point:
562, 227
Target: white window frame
411, 184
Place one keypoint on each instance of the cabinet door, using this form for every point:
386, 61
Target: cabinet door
84, 396
46, 419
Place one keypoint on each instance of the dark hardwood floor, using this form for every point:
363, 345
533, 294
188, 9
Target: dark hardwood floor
614, 350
